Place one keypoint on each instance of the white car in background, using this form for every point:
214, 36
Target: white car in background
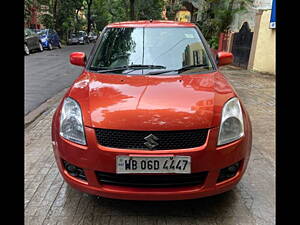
92, 37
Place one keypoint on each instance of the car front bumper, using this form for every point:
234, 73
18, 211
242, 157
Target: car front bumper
207, 158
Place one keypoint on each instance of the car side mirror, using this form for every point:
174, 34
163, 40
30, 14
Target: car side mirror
78, 58
224, 58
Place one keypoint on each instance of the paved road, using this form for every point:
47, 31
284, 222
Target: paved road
48, 72
49, 200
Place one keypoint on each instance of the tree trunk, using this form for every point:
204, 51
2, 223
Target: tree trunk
54, 13
89, 21
77, 19
132, 13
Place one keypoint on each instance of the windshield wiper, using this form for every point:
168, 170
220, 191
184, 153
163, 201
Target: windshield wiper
132, 67
185, 68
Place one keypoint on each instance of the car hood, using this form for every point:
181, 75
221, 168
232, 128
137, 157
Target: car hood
176, 102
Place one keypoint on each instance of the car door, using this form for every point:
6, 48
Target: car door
29, 39
26, 37
34, 40
50, 37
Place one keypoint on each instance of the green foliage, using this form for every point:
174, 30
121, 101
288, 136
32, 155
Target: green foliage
214, 42
63, 16
118, 10
101, 14
217, 17
47, 20
109, 11
149, 9
65, 20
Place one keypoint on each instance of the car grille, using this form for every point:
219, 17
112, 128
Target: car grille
152, 181
126, 139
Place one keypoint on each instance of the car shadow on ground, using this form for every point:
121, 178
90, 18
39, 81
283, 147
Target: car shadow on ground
222, 204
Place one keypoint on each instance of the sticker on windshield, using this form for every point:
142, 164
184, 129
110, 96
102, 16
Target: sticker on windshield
189, 35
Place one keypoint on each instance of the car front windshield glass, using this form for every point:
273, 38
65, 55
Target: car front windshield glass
172, 48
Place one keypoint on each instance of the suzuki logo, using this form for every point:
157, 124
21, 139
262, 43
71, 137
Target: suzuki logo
151, 141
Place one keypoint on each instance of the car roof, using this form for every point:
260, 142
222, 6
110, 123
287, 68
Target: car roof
149, 23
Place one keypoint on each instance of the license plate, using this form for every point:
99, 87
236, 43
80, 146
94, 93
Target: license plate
153, 164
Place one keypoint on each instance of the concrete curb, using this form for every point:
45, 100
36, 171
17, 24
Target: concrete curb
34, 114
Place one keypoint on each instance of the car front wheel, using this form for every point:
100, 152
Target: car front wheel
50, 46
26, 49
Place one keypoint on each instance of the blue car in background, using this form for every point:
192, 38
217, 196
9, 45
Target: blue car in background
49, 38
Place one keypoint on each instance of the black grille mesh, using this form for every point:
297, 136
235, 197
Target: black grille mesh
152, 181
166, 139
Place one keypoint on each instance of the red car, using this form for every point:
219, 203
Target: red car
151, 117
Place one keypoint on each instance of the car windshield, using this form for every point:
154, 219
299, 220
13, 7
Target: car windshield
172, 48
29, 31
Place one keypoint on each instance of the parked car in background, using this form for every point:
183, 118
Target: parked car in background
49, 38
92, 37
31, 41
79, 37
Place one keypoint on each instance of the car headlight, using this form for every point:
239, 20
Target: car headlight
81, 38
232, 125
44, 39
71, 125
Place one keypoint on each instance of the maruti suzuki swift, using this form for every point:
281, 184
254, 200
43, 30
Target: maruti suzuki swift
151, 117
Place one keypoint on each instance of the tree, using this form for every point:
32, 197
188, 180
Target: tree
172, 8
27, 10
132, 12
216, 17
64, 13
119, 10
101, 14
89, 20
149, 9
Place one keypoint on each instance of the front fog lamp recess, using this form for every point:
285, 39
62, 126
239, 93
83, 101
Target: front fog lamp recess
228, 172
74, 171
232, 125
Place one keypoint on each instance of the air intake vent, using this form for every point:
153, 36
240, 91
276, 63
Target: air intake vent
163, 140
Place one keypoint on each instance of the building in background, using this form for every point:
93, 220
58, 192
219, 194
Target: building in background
37, 11
263, 51
251, 37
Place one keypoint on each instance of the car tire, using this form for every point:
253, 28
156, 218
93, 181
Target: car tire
59, 44
26, 49
50, 46
41, 47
